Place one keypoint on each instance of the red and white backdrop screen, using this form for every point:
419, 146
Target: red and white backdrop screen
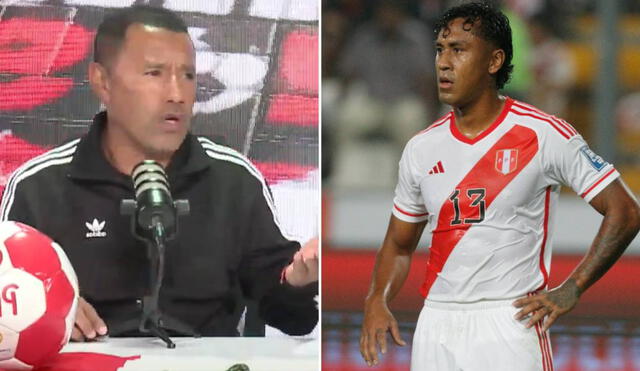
257, 71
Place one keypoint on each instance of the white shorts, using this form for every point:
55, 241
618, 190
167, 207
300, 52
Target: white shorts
480, 336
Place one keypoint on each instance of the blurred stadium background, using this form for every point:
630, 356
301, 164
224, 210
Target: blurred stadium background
577, 59
257, 71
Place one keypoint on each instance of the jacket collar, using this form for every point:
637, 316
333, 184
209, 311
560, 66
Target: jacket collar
90, 162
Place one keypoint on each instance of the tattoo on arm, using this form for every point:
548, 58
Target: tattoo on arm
612, 239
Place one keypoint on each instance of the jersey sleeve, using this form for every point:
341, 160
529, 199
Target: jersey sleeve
571, 162
408, 203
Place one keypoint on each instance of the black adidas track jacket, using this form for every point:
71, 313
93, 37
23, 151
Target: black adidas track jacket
230, 242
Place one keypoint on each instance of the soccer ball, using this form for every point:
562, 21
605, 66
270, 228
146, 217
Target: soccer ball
38, 297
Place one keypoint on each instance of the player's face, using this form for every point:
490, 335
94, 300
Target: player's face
152, 88
464, 64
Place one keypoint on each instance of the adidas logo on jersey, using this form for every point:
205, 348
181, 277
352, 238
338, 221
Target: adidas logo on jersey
438, 169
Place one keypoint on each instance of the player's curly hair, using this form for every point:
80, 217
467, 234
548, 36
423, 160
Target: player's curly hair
493, 27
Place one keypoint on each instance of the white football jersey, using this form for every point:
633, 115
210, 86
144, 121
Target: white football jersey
490, 200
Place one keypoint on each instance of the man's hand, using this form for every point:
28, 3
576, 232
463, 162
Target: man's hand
378, 320
88, 324
551, 304
304, 268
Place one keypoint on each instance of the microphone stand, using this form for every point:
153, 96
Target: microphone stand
153, 320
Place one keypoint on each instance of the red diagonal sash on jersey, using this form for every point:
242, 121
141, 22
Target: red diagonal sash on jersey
482, 175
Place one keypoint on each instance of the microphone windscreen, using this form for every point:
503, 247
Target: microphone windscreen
149, 174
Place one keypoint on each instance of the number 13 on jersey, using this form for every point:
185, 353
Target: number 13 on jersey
475, 212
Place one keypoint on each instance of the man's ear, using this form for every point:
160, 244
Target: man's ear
497, 60
99, 80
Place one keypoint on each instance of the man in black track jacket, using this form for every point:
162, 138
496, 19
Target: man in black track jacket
231, 242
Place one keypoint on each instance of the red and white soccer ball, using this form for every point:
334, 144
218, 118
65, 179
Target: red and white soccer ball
38, 297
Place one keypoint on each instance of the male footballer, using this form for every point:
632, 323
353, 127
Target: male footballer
484, 180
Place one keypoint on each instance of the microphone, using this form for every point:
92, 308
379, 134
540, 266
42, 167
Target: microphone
154, 204
154, 216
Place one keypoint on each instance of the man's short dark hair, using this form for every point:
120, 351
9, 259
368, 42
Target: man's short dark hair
493, 27
113, 28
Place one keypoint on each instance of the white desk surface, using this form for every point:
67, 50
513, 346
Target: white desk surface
269, 353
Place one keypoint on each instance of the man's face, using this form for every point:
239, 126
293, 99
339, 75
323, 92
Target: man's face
151, 90
463, 63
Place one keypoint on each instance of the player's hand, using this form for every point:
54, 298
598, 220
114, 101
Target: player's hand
304, 268
551, 304
378, 320
88, 324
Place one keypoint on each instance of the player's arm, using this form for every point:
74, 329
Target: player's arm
391, 269
619, 226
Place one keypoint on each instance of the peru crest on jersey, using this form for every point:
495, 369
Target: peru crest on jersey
506, 160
